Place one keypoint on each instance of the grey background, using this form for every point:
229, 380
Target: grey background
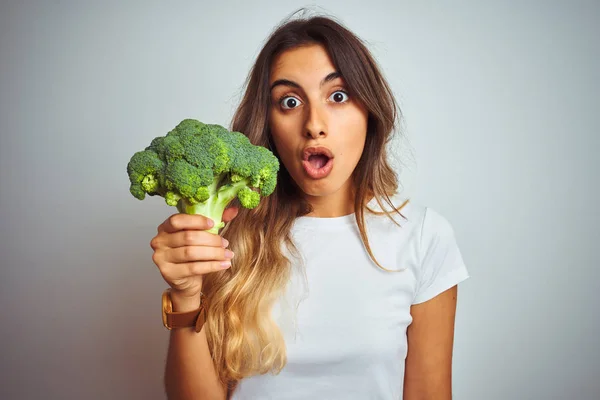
501, 129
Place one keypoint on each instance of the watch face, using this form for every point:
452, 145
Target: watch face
167, 307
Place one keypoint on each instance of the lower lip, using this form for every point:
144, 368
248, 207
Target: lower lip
318, 173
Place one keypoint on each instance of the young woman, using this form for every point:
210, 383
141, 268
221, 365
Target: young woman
339, 287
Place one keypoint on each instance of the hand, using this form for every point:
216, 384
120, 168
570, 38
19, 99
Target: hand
184, 252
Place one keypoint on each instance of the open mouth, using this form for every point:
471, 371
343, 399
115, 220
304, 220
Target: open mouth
317, 162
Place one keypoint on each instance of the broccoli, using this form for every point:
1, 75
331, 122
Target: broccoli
200, 168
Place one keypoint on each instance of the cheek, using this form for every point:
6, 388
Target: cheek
354, 131
285, 135
284, 146
353, 150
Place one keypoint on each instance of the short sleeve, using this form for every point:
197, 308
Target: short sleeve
441, 262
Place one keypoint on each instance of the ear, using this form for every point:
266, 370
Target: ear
230, 213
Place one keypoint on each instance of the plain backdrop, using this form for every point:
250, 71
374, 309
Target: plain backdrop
500, 134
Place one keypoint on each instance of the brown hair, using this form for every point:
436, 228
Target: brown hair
243, 338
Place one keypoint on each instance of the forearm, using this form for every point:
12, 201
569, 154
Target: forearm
190, 373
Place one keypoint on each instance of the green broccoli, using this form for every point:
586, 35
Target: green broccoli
200, 168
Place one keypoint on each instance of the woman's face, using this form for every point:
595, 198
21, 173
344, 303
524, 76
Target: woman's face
318, 130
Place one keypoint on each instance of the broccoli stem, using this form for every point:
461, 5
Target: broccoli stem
213, 208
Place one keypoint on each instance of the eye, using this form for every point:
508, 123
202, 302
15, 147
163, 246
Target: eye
339, 97
289, 102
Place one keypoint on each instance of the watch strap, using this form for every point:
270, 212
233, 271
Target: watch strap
176, 320
188, 319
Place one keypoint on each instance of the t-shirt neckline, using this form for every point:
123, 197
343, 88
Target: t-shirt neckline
324, 222
330, 222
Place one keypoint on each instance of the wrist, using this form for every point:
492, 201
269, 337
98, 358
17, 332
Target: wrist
184, 303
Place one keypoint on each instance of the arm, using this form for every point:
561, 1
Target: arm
428, 373
190, 373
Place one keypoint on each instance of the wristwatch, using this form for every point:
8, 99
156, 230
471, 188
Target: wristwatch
176, 320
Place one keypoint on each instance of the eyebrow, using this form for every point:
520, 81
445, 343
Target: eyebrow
287, 82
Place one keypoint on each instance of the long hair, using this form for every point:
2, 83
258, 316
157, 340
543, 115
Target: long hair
243, 338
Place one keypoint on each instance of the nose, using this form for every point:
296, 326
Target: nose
316, 124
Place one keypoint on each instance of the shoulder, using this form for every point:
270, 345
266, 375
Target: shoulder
405, 212
431, 229
429, 221
440, 261
434, 225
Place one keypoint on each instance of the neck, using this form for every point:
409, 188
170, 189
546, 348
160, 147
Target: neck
333, 205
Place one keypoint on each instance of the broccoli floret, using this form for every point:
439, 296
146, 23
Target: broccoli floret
200, 168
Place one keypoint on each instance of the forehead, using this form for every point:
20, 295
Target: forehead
305, 65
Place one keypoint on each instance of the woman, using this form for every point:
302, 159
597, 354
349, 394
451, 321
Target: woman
339, 288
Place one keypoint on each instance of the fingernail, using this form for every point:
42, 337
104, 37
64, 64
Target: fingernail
225, 242
225, 264
210, 223
228, 254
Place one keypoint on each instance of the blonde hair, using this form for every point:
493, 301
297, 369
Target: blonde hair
243, 338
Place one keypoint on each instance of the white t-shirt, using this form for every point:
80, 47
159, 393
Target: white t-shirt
344, 319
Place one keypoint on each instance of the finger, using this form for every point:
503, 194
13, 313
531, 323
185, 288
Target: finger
175, 272
230, 213
197, 253
191, 238
181, 221
206, 267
